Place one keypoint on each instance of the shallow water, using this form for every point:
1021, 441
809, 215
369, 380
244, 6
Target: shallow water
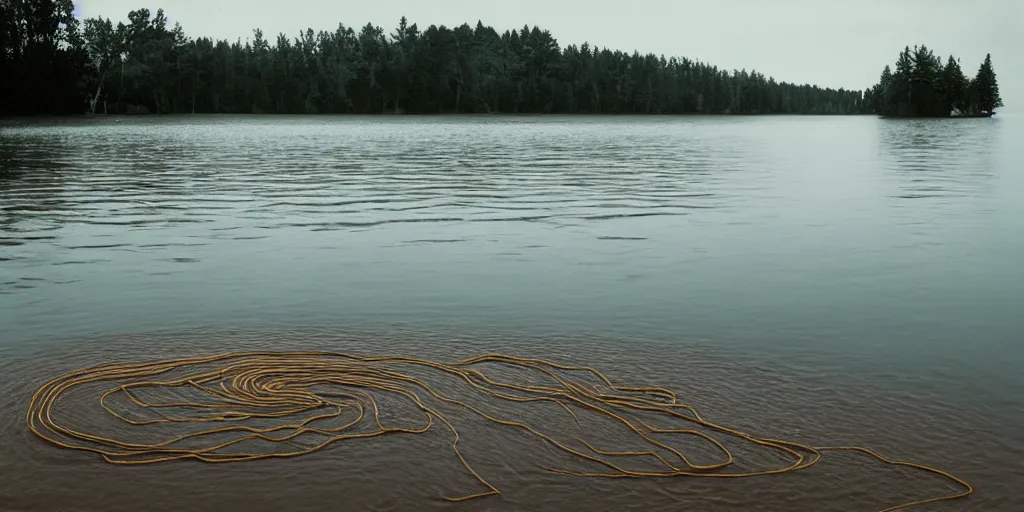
824, 280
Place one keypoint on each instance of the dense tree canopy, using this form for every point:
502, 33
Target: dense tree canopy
40, 57
922, 87
52, 64
465, 69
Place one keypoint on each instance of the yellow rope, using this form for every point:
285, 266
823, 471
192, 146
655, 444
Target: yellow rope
321, 386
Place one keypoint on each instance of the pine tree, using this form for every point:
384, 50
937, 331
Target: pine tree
900, 90
955, 85
986, 87
884, 93
922, 86
928, 88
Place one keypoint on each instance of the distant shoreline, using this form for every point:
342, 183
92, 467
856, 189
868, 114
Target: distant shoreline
417, 115
150, 65
114, 117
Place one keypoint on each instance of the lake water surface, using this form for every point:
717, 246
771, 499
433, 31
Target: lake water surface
821, 279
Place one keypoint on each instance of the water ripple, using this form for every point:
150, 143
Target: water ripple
348, 169
865, 272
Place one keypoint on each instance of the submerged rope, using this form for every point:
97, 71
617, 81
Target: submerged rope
318, 387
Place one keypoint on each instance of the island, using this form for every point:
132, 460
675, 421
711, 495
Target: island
922, 87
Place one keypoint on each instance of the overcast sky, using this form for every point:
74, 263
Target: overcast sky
825, 42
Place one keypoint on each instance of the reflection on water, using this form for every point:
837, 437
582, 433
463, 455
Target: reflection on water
29, 178
964, 147
847, 280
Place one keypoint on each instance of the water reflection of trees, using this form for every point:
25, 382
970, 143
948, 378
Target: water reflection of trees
940, 156
32, 171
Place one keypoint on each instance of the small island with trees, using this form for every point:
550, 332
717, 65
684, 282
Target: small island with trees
53, 63
922, 87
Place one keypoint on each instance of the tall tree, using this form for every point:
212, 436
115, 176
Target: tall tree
104, 51
901, 89
41, 57
955, 86
922, 86
987, 87
927, 96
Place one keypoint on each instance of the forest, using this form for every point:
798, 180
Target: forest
53, 63
922, 86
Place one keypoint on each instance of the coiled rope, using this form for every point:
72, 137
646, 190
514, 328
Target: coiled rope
315, 388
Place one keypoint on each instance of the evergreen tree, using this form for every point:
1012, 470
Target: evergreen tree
922, 86
144, 66
928, 94
986, 87
955, 86
900, 91
885, 93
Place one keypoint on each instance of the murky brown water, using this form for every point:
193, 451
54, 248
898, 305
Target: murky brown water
828, 281
402, 472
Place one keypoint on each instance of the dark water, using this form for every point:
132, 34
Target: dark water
824, 280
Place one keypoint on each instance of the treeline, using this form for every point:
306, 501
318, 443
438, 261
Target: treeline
41, 58
143, 65
51, 63
922, 87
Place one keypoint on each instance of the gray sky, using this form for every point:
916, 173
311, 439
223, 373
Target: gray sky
825, 42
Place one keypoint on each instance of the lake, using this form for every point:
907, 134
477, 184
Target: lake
828, 280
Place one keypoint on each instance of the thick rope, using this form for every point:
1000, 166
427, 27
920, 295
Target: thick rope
317, 387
